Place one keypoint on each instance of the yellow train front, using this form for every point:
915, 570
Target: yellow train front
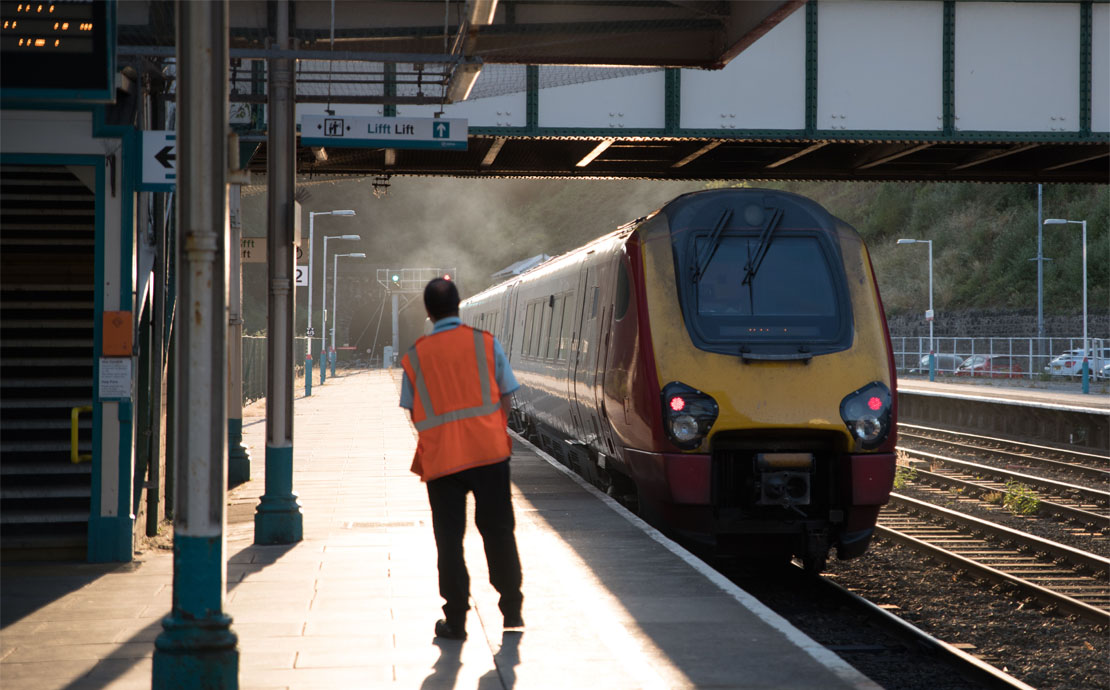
726, 363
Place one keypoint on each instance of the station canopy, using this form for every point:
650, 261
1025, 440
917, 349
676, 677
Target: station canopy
399, 53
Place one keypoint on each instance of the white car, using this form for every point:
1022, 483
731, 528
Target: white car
1071, 362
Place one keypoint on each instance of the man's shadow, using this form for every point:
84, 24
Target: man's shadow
445, 672
506, 660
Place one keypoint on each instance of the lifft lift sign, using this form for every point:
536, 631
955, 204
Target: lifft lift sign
384, 132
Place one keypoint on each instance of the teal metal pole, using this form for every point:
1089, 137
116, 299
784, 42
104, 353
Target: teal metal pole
197, 648
238, 455
278, 518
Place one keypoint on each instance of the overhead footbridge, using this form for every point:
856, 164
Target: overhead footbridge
877, 90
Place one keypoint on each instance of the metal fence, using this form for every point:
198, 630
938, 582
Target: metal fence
254, 365
1032, 354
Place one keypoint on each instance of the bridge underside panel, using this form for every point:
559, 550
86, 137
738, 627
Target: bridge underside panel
729, 160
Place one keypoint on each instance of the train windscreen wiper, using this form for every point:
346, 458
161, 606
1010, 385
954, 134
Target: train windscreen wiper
764, 244
711, 246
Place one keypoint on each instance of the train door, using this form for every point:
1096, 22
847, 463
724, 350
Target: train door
584, 344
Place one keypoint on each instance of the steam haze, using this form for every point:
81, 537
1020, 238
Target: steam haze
474, 226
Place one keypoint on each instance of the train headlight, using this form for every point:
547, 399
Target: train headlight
688, 414
866, 412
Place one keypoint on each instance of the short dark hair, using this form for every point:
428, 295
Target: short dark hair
441, 298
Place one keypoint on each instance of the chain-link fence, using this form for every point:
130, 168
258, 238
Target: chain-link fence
1029, 357
254, 365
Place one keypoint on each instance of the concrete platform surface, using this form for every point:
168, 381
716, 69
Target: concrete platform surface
609, 602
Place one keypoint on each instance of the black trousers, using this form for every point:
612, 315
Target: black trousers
493, 514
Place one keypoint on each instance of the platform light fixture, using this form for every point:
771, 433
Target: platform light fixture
308, 321
324, 300
1086, 352
928, 314
334, 300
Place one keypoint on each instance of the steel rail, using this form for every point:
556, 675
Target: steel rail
1088, 471
1089, 561
1063, 602
1094, 496
967, 665
1069, 513
1040, 448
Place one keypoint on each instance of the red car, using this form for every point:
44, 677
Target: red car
992, 366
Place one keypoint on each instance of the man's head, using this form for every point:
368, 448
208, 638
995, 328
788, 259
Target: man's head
441, 299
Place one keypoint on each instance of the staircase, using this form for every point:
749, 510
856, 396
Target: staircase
47, 269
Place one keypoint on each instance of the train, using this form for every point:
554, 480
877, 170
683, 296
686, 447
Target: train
722, 365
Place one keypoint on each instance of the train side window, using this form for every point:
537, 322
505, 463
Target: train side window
525, 348
545, 329
534, 336
568, 322
593, 310
623, 292
556, 328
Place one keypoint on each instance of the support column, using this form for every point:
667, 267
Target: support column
197, 648
278, 519
238, 455
396, 333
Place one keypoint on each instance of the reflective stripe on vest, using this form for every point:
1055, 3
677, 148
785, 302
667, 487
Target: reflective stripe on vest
431, 419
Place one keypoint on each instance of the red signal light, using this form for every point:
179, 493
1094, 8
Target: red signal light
677, 404
447, 276
874, 403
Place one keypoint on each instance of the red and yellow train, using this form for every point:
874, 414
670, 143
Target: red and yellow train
723, 363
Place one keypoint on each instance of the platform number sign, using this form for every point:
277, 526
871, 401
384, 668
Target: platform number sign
302, 276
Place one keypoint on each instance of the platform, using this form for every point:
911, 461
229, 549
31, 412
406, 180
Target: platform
609, 603
1063, 395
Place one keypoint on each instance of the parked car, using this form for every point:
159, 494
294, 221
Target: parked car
1071, 362
1104, 373
991, 366
946, 364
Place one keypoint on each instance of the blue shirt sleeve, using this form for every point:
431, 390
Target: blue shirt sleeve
406, 391
506, 382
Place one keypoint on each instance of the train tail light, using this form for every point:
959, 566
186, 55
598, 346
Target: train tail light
688, 414
866, 412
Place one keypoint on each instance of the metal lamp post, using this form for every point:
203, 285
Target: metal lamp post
928, 314
324, 302
1086, 352
334, 296
308, 322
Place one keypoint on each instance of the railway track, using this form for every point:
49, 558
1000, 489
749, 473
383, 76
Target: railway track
1069, 502
1074, 582
1068, 462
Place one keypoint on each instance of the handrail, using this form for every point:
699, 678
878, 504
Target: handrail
74, 456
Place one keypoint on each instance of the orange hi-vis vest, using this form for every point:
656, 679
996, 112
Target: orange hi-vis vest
456, 403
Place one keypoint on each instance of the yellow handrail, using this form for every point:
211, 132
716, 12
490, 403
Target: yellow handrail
74, 456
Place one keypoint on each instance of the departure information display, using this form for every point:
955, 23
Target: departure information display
56, 47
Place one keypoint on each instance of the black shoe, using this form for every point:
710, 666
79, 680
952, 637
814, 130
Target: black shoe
513, 622
449, 632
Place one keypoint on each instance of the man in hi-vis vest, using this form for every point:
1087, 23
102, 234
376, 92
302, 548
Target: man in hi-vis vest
457, 387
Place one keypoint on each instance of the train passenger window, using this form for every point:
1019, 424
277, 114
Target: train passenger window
545, 329
568, 321
624, 292
593, 310
525, 346
556, 328
534, 335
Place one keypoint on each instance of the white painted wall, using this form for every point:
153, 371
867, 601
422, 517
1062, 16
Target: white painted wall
1017, 66
880, 65
762, 88
1100, 68
620, 103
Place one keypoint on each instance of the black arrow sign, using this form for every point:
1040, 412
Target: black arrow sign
165, 156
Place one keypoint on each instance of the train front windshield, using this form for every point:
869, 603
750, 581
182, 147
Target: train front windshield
785, 297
